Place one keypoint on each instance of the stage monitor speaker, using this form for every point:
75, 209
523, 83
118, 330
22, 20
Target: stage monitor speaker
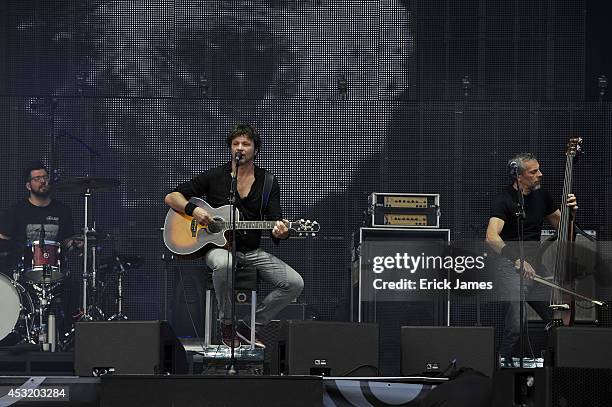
581, 346
127, 347
432, 350
326, 349
552, 387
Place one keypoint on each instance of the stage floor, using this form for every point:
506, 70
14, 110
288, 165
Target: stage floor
213, 391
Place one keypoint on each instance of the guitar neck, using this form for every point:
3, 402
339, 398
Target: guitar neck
251, 224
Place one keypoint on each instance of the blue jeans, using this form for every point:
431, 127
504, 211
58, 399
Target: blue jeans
288, 284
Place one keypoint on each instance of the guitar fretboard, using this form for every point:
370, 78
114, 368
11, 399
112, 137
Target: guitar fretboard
249, 224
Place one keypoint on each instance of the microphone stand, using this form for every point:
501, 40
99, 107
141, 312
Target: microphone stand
520, 218
46, 336
232, 200
42, 335
54, 171
43, 249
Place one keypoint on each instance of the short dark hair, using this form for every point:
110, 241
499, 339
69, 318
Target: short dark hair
33, 166
244, 130
519, 159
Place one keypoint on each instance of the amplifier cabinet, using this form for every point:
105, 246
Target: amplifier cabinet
326, 348
552, 387
581, 346
363, 309
127, 347
431, 350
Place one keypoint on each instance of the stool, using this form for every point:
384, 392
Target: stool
246, 280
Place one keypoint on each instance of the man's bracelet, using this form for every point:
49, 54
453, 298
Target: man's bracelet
189, 208
510, 253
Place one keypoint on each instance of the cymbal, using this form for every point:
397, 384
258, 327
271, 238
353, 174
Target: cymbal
92, 236
82, 184
128, 262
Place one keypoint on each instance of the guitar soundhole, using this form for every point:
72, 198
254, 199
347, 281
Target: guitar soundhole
216, 226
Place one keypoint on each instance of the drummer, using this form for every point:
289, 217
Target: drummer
39, 218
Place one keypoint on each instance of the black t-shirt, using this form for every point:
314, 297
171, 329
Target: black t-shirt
24, 223
538, 205
214, 186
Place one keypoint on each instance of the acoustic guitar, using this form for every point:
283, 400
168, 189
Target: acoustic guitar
184, 235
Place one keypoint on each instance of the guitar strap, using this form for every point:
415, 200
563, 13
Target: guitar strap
265, 193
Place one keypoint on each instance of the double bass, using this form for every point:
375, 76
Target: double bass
562, 297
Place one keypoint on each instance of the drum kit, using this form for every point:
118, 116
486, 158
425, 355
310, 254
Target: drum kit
27, 300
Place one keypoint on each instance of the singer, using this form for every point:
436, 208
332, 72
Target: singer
503, 235
254, 203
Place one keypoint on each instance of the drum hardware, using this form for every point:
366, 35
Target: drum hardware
50, 340
45, 333
93, 311
34, 321
41, 269
41, 261
86, 185
17, 272
96, 285
120, 269
95, 237
120, 265
17, 316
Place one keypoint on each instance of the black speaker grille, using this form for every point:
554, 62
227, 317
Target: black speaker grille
572, 387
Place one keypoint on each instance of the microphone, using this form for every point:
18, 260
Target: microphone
238, 156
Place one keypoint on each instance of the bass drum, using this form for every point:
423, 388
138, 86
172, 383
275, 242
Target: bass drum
17, 312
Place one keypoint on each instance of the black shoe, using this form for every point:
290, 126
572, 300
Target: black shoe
244, 333
226, 337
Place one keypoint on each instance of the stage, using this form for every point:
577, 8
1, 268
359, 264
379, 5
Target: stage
45, 378
387, 171
197, 390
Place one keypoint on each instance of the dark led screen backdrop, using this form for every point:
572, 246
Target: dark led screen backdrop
351, 97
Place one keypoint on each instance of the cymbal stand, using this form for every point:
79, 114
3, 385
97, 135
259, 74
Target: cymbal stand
94, 312
121, 271
85, 316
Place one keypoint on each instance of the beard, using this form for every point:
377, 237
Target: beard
41, 193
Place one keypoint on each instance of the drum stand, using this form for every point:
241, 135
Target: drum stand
84, 311
46, 328
85, 316
85, 185
119, 316
93, 311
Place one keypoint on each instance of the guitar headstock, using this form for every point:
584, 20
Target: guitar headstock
573, 146
305, 227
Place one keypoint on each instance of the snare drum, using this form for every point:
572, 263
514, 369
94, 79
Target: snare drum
17, 310
41, 262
